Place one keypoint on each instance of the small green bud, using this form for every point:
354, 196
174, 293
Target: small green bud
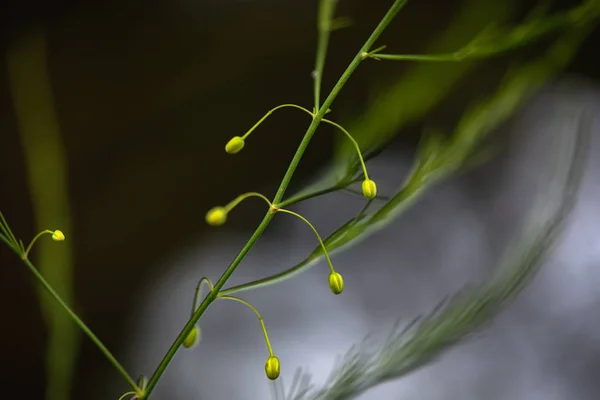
58, 236
336, 282
272, 368
235, 145
193, 338
369, 189
216, 216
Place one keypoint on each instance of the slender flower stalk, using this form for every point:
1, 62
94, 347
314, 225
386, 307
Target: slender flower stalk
57, 236
235, 143
217, 216
314, 230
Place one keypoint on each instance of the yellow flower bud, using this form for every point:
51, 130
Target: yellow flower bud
272, 368
369, 189
193, 338
216, 216
58, 236
234, 145
336, 283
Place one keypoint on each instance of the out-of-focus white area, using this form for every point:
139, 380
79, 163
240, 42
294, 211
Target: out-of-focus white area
545, 346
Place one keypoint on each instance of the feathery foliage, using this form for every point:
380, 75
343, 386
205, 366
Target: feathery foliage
427, 337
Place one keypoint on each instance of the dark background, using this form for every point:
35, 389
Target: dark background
145, 92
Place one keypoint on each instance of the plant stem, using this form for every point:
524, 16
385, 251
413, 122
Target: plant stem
447, 57
7, 232
333, 94
75, 318
354, 142
198, 293
234, 203
271, 111
204, 305
326, 10
394, 9
358, 193
260, 319
316, 234
28, 249
302, 197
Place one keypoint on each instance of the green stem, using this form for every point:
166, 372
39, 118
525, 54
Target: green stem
243, 197
414, 186
199, 292
302, 197
327, 121
314, 230
26, 252
456, 56
204, 306
260, 319
358, 193
6, 229
344, 130
271, 111
354, 142
394, 9
75, 318
510, 39
326, 10
398, 4
127, 394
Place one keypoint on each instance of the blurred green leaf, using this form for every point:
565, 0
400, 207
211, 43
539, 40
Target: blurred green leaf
427, 84
424, 84
495, 41
6, 233
439, 158
418, 91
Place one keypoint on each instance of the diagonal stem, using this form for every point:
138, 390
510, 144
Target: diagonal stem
75, 318
394, 9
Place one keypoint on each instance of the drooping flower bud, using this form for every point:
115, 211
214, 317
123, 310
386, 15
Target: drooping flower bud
193, 338
235, 145
216, 216
58, 236
369, 189
272, 368
336, 282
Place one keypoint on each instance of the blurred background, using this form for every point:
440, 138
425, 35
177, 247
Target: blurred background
113, 118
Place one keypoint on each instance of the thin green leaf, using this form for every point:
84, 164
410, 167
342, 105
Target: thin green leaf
7, 232
499, 41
